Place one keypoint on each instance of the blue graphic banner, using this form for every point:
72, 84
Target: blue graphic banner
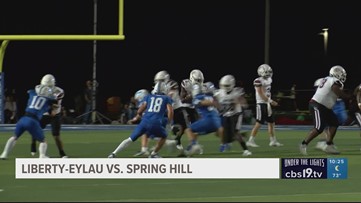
314, 168
337, 168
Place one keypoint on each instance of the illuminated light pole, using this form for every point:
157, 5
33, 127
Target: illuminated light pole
325, 39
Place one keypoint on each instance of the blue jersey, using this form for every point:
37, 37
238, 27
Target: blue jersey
205, 111
340, 110
156, 107
152, 123
36, 107
209, 120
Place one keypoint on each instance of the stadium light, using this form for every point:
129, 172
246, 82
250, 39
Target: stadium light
325, 39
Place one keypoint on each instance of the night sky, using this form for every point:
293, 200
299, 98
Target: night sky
218, 37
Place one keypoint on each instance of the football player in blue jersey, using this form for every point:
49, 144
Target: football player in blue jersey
55, 120
151, 113
209, 121
161, 76
38, 103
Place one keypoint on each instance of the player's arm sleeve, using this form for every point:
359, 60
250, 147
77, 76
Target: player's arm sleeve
170, 113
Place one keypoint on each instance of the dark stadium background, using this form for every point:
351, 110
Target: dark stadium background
218, 37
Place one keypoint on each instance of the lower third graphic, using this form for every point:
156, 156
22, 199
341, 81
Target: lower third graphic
314, 168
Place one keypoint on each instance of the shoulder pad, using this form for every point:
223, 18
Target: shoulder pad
46, 91
58, 93
339, 83
239, 90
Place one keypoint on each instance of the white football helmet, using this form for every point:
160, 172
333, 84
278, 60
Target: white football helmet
209, 88
196, 77
227, 83
140, 94
338, 72
265, 71
160, 88
162, 76
172, 84
48, 80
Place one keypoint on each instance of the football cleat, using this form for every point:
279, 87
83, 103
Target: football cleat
321, 145
331, 149
246, 153
156, 155
275, 144
225, 147
112, 155
303, 149
251, 144
142, 153
43, 157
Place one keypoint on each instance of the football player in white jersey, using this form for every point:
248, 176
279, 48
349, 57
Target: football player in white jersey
191, 115
340, 110
231, 102
180, 119
264, 103
320, 106
55, 117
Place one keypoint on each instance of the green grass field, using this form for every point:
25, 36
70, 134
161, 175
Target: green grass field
99, 143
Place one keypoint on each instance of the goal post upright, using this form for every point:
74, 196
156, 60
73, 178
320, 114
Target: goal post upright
34, 37
4, 44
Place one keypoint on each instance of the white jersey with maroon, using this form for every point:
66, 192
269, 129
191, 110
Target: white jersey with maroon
174, 95
324, 94
187, 85
265, 84
58, 94
229, 102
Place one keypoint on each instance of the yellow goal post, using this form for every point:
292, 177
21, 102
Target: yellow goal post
7, 38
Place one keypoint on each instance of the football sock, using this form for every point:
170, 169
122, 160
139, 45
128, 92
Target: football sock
42, 149
61, 153
123, 145
244, 146
8, 147
33, 146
